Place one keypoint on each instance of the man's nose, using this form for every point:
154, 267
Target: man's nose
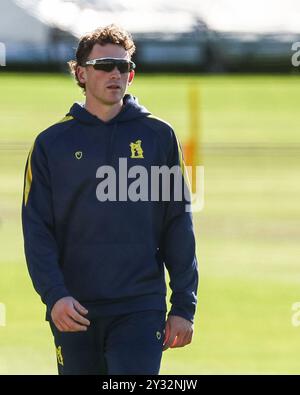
116, 71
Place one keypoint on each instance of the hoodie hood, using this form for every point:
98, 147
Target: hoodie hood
130, 110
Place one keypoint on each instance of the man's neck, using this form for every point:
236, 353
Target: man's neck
103, 111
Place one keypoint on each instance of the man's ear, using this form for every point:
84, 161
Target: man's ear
81, 74
131, 77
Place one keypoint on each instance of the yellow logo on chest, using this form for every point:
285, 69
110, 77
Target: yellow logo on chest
78, 155
136, 149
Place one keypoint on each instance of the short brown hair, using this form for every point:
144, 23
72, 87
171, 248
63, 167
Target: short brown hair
111, 34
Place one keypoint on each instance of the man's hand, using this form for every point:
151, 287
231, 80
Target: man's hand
67, 315
179, 332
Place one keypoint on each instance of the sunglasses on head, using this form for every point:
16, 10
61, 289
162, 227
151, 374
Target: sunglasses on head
108, 64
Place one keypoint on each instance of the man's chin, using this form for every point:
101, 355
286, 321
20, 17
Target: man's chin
113, 100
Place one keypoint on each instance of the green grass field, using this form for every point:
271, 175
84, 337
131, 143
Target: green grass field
247, 235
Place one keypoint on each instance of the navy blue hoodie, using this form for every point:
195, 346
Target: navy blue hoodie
109, 255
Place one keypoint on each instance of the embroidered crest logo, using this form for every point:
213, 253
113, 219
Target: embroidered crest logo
136, 149
78, 155
59, 356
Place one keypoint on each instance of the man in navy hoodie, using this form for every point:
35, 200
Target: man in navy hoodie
99, 263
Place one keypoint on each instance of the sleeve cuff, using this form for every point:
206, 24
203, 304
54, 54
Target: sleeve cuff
182, 313
53, 296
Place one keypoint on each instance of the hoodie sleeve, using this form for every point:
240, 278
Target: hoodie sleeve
40, 246
179, 242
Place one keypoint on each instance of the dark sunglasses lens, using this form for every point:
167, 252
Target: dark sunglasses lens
123, 66
104, 66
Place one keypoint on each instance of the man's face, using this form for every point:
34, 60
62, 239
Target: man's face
107, 87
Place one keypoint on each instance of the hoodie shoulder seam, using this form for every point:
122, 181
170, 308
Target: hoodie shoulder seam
66, 118
157, 125
160, 120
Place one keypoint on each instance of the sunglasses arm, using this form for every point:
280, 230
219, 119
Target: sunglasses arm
90, 62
